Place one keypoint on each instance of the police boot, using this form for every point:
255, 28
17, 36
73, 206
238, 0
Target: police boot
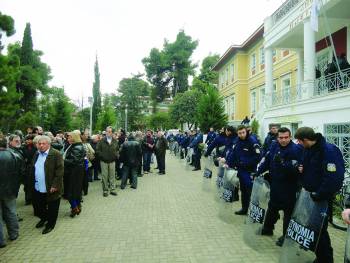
280, 241
241, 212
266, 232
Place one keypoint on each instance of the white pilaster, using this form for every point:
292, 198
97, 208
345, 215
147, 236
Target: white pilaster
309, 58
268, 76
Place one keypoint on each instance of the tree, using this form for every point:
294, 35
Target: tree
210, 111
96, 93
134, 96
27, 52
7, 25
169, 69
183, 109
62, 117
160, 120
107, 116
207, 77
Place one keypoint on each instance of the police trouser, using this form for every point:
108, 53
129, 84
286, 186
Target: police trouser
196, 161
324, 251
245, 194
272, 216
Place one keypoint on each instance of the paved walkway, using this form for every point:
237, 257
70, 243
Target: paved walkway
173, 218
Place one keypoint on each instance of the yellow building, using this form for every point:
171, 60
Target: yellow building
242, 77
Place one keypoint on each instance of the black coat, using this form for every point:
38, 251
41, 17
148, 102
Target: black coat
9, 175
131, 153
74, 170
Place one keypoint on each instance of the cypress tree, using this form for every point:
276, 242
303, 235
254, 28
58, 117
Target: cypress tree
96, 93
27, 47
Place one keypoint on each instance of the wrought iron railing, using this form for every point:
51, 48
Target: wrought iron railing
332, 83
283, 96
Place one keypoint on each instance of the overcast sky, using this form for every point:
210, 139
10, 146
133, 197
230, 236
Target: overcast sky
122, 32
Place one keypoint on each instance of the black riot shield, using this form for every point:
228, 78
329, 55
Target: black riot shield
304, 229
347, 248
208, 166
259, 200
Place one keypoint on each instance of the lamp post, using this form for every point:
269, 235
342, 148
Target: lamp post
91, 101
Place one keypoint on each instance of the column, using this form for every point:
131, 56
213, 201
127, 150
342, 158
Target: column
309, 59
300, 73
268, 76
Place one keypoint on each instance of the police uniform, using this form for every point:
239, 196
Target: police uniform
244, 157
323, 175
198, 139
219, 141
281, 162
210, 137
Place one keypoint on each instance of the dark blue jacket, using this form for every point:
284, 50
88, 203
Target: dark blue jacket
219, 141
324, 169
244, 157
281, 162
198, 139
210, 137
185, 141
270, 138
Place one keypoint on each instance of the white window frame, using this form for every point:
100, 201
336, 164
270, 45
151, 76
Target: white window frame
232, 68
262, 56
253, 62
286, 90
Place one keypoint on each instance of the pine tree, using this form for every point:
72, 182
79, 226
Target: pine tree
96, 93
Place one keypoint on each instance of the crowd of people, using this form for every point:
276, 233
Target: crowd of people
288, 165
58, 167
51, 167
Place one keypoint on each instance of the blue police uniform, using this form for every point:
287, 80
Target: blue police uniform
219, 141
210, 137
198, 139
281, 162
269, 140
323, 175
244, 157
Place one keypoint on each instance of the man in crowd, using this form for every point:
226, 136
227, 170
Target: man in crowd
281, 163
9, 186
270, 138
48, 183
160, 150
29, 151
130, 158
244, 158
211, 136
95, 162
322, 174
197, 140
147, 149
107, 151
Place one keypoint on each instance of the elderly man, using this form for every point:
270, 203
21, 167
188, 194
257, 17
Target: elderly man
107, 151
9, 186
160, 150
47, 177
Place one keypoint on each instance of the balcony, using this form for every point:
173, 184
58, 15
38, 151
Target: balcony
323, 86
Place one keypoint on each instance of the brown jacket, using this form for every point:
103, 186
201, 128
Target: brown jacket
54, 170
106, 152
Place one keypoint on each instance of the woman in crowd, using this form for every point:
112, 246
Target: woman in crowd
74, 169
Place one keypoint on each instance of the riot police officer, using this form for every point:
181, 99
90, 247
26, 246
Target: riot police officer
244, 157
218, 142
210, 137
197, 139
270, 138
281, 162
322, 174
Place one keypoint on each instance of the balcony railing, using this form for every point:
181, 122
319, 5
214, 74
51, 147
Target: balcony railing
283, 96
332, 83
286, 7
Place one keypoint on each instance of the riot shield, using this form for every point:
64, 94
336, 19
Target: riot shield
304, 229
230, 181
208, 166
259, 200
347, 248
188, 159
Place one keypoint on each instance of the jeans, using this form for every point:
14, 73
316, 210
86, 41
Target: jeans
132, 171
8, 213
147, 161
46, 211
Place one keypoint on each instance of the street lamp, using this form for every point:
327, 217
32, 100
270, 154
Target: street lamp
91, 101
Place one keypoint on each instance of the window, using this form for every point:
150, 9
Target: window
222, 79
232, 72
232, 113
339, 134
253, 63
262, 56
253, 102
226, 75
286, 96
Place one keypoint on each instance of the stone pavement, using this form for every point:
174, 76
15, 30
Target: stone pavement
172, 218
